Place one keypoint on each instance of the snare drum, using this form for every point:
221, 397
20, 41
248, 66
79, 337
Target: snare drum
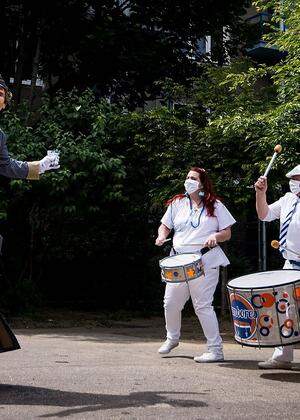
265, 308
181, 268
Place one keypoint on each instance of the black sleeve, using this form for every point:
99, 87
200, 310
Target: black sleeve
11, 168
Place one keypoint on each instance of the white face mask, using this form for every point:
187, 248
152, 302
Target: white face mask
294, 186
191, 186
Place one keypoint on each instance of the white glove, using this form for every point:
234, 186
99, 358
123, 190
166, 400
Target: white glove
51, 161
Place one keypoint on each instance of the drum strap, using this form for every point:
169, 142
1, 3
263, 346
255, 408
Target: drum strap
174, 252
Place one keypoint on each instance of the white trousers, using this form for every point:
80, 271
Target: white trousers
286, 353
201, 290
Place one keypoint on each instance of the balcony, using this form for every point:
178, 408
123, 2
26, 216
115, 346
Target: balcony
260, 51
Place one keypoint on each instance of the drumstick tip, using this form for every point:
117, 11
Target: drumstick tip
275, 244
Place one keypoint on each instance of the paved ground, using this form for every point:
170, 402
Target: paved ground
115, 373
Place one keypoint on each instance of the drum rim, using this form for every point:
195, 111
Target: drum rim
267, 345
181, 281
260, 287
179, 265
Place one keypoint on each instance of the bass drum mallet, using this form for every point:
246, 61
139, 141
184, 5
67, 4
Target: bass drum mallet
276, 245
277, 150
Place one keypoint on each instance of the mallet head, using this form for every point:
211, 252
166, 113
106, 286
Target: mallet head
275, 244
278, 148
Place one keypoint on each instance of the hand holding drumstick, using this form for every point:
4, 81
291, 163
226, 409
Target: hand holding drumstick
163, 233
160, 241
211, 241
261, 187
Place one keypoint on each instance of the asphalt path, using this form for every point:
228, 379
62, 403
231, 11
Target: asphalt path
116, 373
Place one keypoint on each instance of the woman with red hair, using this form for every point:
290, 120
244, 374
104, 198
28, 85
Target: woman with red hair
198, 219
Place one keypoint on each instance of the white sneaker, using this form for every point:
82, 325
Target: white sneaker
209, 357
167, 346
275, 364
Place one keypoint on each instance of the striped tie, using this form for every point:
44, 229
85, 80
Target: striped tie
285, 226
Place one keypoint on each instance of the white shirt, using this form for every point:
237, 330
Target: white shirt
193, 226
279, 210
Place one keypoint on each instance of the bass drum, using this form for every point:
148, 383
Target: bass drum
265, 308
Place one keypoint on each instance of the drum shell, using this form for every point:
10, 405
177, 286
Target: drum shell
266, 317
181, 273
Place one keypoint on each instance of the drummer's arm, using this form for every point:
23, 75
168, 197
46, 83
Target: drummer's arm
262, 207
223, 235
163, 232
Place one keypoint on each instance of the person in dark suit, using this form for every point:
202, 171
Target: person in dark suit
15, 169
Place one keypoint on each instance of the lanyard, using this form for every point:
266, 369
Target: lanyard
189, 219
199, 216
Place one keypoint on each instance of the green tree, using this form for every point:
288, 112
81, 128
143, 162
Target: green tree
118, 48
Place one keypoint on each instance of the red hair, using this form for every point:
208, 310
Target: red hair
209, 198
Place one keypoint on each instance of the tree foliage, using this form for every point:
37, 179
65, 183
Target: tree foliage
118, 48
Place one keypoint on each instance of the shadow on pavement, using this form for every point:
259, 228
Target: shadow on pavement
240, 364
77, 402
134, 331
282, 376
178, 357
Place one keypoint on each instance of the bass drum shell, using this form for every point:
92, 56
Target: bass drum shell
267, 316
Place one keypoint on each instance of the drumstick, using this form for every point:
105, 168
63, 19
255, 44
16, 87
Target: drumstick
277, 150
202, 250
275, 244
167, 240
191, 244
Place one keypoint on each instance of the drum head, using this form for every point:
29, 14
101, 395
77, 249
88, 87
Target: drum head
179, 260
265, 279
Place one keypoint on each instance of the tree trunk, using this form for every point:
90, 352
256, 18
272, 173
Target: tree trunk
35, 69
19, 58
36, 62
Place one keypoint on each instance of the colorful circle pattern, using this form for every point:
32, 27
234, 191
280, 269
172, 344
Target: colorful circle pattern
263, 300
265, 320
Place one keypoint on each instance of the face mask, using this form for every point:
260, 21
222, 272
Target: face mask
191, 186
294, 186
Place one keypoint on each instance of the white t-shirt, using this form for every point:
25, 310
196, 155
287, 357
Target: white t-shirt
193, 226
279, 210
